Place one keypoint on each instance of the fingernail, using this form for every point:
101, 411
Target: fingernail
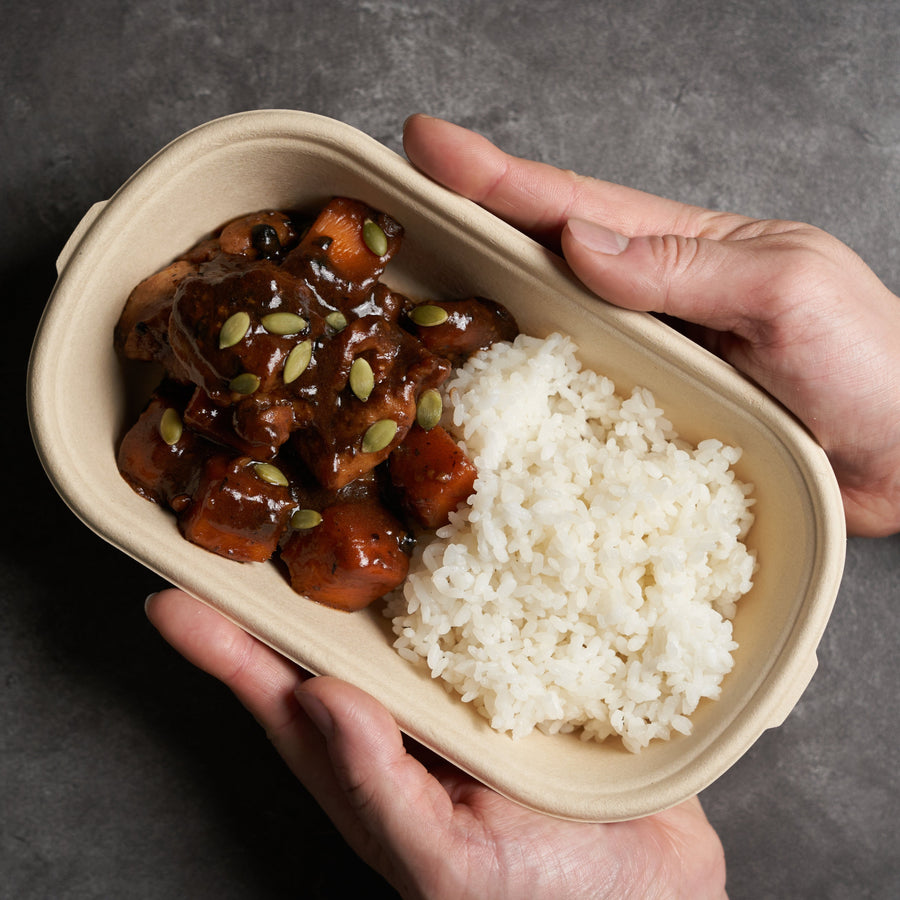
149, 598
412, 116
317, 712
596, 237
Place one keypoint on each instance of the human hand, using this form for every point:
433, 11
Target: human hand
435, 833
789, 305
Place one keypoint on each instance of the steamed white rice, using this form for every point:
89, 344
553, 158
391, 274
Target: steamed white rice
592, 582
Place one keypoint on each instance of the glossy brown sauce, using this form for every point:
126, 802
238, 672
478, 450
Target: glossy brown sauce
258, 328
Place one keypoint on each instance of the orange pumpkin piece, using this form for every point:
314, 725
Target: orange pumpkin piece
157, 469
352, 557
348, 245
237, 510
432, 474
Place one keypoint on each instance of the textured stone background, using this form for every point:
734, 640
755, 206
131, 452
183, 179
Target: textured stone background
125, 773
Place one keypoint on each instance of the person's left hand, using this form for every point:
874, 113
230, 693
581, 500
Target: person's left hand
437, 833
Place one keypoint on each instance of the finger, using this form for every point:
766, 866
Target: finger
391, 808
533, 197
538, 198
266, 684
728, 286
263, 680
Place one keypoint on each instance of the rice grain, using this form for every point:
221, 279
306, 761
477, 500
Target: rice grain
591, 583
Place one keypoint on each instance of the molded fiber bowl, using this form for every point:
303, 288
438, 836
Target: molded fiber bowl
289, 159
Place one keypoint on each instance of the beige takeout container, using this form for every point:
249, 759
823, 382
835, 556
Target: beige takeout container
453, 248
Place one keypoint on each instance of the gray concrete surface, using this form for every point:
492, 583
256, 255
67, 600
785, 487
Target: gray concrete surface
123, 772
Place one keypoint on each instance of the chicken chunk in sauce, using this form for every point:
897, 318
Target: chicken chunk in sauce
296, 417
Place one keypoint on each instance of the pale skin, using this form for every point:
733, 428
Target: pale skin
790, 306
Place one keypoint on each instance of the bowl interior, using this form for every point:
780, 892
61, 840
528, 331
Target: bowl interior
82, 398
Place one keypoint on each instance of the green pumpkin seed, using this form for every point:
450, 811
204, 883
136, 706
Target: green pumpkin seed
379, 435
233, 330
375, 239
284, 323
304, 519
170, 426
297, 361
428, 315
362, 380
270, 474
429, 409
245, 383
336, 320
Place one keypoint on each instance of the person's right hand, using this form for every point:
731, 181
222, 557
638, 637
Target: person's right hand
786, 303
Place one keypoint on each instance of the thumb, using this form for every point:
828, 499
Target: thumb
387, 806
708, 282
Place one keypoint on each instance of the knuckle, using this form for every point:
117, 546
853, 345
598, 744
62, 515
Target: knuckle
674, 259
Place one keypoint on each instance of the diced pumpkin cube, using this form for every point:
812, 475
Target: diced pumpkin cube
347, 247
351, 558
238, 509
159, 457
432, 475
